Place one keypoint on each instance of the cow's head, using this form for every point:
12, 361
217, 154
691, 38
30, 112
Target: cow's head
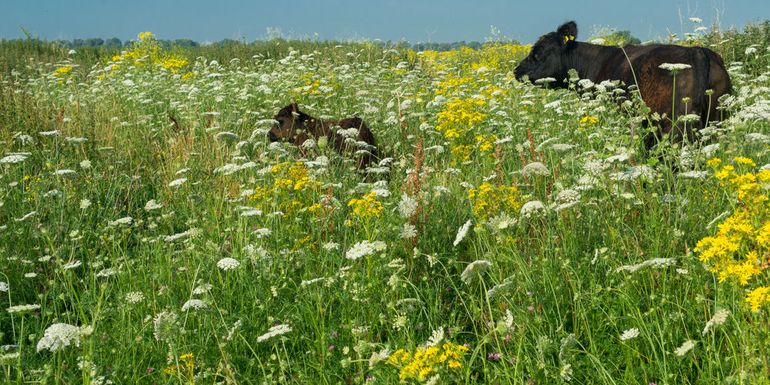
549, 55
289, 122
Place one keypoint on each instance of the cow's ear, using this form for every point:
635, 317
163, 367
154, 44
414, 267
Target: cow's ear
567, 32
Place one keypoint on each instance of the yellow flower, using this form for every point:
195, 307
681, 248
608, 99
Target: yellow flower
758, 297
713, 162
427, 360
589, 120
143, 36
366, 207
744, 161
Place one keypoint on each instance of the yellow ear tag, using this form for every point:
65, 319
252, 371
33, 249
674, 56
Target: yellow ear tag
568, 38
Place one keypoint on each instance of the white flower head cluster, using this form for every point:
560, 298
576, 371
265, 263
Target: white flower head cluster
194, 304
473, 269
629, 334
152, 205
3, 287
13, 158
718, 319
684, 348
407, 206
228, 264
461, 232
535, 169
134, 297
532, 209
125, 221
674, 67
23, 308
274, 331
60, 335
364, 248
164, 325
567, 198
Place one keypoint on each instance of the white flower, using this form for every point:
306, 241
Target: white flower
360, 249
629, 334
49, 133
84, 204
194, 304
567, 198
164, 325
694, 174
655, 262
65, 172
545, 80
134, 297
122, 221
3, 287
461, 232
85, 164
202, 288
177, 182
330, 246
686, 347
718, 319
152, 205
674, 67
535, 169
227, 264
23, 308
407, 206
108, 272
408, 231
750, 51
378, 357
532, 209
696, 20
13, 158
60, 335
308, 282
436, 337
262, 232
274, 331
72, 265
183, 235
473, 269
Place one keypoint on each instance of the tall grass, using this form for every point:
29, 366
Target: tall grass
133, 189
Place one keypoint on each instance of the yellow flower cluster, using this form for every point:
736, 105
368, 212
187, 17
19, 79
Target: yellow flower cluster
292, 189
147, 52
588, 120
489, 200
366, 207
737, 250
63, 71
460, 116
185, 371
427, 361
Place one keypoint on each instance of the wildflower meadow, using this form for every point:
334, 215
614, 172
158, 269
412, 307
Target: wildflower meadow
150, 233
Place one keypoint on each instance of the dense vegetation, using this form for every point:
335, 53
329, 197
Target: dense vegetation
149, 233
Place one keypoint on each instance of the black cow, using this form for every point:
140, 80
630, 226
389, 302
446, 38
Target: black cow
555, 53
295, 126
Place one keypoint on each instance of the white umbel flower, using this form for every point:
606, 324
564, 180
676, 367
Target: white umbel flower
227, 264
461, 232
674, 67
60, 335
194, 304
274, 331
629, 334
684, 348
473, 269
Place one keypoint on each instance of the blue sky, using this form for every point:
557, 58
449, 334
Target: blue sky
411, 20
